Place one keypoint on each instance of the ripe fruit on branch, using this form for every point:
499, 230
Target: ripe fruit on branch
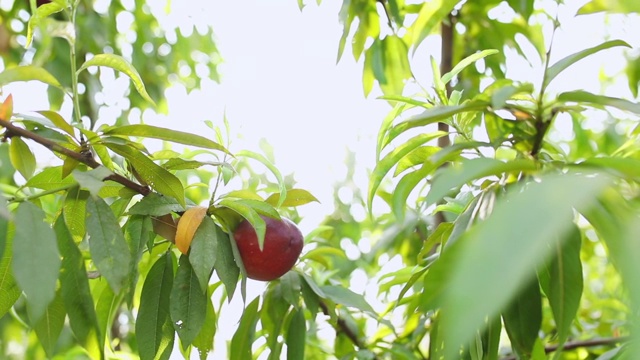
283, 243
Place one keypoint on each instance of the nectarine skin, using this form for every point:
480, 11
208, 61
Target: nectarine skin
283, 243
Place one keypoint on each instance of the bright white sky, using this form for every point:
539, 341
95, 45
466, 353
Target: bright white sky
280, 82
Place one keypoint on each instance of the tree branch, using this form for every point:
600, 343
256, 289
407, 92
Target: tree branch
13, 130
341, 326
580, 344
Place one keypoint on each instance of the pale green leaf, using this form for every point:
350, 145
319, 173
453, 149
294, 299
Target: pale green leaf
109, 250
175, 136
343, 296
564, 63
466, 62
49, 179
9, 290
36, 260
243, 338
295, 197
49, 327
250, 214
58, 121
264, 161
188, 304
154, 329
21, 157
28, 73
74, 211
156, 205
42, 12
119, 63
584, 97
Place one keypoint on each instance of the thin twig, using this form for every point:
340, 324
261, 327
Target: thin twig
341, 326
13, 130
580, 344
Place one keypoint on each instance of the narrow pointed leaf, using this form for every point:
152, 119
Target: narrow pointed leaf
9, 290
250, 214
22, 157
58, 121
295, 197
156, 176
28, 73
523, 318
36, 260
296, 336
466, 62
42, 12
175, 136
561, 65
204, 340
108, 247
585, 97
76, 294
391, 159
188, 303
225, 264
49, 327
562, 283
120, 64
154, 329
264, 161
242, 340
346, 297
204, 249
156, 205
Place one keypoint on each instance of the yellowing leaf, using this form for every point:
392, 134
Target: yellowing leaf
187, 226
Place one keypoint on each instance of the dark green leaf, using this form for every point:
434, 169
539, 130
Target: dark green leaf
296, 336
156, 205
119, 63
244, 335
204, 249
50, 325
188, 303
204, 340
491, 339
156, 176
76, 293
528, 245
21, 157
584, 97
175, 136
108, 247
36, 260
9, 290
154, 329
225, 264
561, 65
138, 233
523, 318
561, 281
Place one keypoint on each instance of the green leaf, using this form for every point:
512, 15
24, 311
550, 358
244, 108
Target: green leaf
157, 177
491, 339
561, 65
346, 297
561, 281
154, 329
433, 115
404, 188
188, 303
611, 6
21, 157
28, 73
295, 197
74, 211
264, 161
50, 179
175, 136
244, 335
457, 175
50, 325
138, 233
523, 318
204, 248
119, 63
584, 97
156, 205
36, 260
108, 247
406, 100
627, 167
9, 290
42, 12
431, 14
58, 121
225, 264
384, 165
76, 294
466, 62
250, 214
204, 340
508, 230
92, 180
296, 336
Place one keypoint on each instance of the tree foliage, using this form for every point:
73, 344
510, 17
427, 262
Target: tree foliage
485, 236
